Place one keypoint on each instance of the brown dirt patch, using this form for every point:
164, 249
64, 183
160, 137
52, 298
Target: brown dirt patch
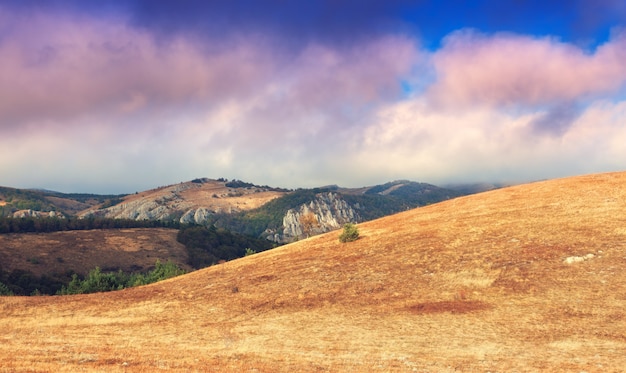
451, 306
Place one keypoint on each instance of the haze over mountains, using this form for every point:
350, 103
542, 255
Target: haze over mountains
524, 278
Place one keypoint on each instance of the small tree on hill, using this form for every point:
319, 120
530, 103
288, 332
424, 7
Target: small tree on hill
350, 233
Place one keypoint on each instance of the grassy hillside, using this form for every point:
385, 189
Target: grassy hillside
527, 278
80, 251
12, 199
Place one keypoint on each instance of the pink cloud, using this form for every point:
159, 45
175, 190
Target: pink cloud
360, 74
57, 66
507, 69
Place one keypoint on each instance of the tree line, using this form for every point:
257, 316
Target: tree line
47, 225
21, 282
205, 246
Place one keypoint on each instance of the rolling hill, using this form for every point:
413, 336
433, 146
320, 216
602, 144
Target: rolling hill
133, 249
526, 278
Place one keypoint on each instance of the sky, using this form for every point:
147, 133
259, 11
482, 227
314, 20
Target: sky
123, 96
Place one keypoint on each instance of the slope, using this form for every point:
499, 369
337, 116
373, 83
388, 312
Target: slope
527, 278
185, 199
133, 249
26, 201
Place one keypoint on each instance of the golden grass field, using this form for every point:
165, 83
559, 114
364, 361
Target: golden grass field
527, 278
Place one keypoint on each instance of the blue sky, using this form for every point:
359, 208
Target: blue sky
120, 96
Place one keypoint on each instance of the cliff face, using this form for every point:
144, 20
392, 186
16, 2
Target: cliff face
135, 210
327, 212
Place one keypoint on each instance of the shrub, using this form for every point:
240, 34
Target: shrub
350, 233
4, 290
98, 281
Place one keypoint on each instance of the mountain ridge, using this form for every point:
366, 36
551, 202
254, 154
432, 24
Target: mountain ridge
237, 205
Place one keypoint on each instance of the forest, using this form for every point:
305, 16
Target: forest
205, 246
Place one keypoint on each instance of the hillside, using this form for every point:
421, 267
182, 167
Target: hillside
185, 200
135, 249
527, 278
272, 213
38, 203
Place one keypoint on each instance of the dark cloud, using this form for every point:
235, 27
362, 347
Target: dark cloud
557, 120
293, 22
347, 21
302, 93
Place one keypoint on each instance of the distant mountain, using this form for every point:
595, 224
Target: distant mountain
34, 202
273, 213
277, 214
474, 188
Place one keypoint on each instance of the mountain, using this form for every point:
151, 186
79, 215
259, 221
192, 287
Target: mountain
473, 188
525, 278
188, 202
272, 213
40, 203
275, 214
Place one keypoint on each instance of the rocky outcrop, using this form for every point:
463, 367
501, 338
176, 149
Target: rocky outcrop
37, 214
170, 203
327, 212
196, 216
204, 201
135, 210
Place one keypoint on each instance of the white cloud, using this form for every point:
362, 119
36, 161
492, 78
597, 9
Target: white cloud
105, 106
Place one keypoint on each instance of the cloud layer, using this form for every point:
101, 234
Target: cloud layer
108, 105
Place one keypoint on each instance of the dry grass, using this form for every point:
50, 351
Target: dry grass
82, 251
478, 283
212, 195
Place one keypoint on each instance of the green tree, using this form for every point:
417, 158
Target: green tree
4, 290
350, 233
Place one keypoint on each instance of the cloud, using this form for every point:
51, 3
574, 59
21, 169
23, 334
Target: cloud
517, 70
557, 120
60, 66
487, 145
120, 100
293, 23
109, 105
